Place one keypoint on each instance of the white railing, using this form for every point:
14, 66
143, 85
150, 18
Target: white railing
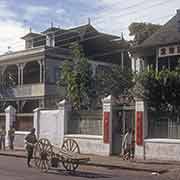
26, 90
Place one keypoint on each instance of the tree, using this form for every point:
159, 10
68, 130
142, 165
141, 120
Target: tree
113, 80
160, 89
141, 31
77, 79
82, 89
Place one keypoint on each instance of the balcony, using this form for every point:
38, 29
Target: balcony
27, 90
32, 90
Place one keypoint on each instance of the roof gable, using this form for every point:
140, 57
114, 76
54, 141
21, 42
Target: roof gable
52, 30
31, 35
168, 34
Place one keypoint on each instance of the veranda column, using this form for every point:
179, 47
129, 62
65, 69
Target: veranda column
94, 69
19, 73
141, 130
122, 60
22, 65
41, 69
107, 122
10, 119
36, 121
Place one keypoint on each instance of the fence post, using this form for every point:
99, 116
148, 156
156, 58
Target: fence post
64, 108
36, 120
107, 121
10, 119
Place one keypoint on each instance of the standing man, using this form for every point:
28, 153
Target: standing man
30, 141
11, 135
2, 137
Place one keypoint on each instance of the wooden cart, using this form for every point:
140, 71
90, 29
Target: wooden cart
47, 156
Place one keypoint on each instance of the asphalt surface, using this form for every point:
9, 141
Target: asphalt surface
12, 168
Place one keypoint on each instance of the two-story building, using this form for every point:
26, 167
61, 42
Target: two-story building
160, 133
35, 70
162, 49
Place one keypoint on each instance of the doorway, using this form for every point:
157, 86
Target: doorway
123, 119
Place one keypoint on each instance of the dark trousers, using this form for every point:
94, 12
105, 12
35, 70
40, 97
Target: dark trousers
11, 142
2, 142
29, 154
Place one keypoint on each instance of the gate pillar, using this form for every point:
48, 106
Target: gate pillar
141, 128
10, 120
107, 122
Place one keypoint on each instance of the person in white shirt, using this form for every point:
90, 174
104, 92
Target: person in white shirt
126, 143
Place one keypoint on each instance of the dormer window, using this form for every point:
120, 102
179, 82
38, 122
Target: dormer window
50, 40
29, 44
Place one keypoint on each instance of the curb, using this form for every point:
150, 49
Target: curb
13, 155
126, 168
101, 165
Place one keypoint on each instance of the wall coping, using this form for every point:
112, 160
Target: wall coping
163, 140
21, 132
83, 136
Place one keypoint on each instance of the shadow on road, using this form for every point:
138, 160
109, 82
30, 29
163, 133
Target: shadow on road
82, 174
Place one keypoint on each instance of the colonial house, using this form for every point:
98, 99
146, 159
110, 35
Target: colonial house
35, 70
159, 137
162, 49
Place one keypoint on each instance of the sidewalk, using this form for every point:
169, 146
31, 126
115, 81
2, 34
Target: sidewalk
115, 162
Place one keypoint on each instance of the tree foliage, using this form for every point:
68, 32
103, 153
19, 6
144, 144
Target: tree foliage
113, 80
76, 77
142, 31
160, 89
83, 89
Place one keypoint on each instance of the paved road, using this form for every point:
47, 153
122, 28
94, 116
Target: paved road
15, 169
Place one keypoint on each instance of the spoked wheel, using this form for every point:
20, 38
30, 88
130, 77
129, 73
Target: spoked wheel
42, 154
70, 146
70, 164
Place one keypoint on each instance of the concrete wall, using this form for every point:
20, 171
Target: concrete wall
157, 148
50, 125
162, 149
85, 122
90, 144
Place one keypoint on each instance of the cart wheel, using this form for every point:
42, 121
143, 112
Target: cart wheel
42, 154
70, 145
69, 164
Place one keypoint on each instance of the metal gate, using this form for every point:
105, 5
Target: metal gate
24, 121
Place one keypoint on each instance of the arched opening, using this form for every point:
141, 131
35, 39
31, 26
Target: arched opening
10, 76
31, 73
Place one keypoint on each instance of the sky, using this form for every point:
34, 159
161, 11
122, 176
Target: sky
108, 16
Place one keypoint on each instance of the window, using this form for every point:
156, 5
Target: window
50, 40
178, 49
163, 63
56, 74
29, 44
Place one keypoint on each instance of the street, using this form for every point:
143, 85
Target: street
12, 168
